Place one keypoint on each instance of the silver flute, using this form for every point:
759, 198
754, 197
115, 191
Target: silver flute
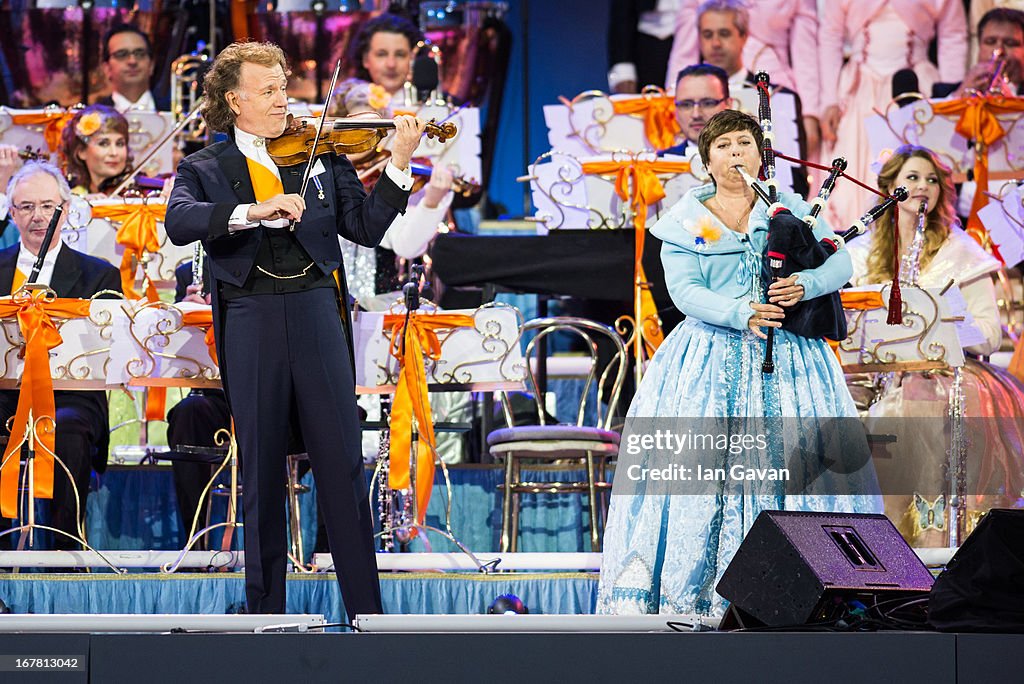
910, 264
197, 266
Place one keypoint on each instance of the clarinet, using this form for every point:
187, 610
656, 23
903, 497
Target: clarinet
910, 264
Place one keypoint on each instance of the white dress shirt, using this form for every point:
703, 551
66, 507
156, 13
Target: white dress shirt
27, 259
254, 148
122, 104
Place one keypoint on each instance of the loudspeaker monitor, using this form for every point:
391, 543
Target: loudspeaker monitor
795, 568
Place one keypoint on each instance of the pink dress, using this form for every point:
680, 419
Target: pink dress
884, 37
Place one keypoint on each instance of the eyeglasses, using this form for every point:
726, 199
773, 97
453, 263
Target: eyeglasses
45, 209
704, 103
137, 53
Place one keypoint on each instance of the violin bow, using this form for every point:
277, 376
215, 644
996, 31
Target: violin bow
316, 140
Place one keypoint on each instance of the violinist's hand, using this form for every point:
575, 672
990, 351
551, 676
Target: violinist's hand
277, 207
194, 295
785, 291
9, 163
408, 130
765, 316
440, 185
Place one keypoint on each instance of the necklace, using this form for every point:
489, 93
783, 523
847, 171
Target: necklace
724, 215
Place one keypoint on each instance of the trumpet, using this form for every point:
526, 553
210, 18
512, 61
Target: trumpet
186, 75
995, 85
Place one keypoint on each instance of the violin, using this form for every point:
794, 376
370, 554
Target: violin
369, 171
28, 154
350, 135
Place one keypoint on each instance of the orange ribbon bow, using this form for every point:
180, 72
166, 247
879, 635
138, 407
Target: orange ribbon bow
54, 125
659, 113
156, 397
137, 234
862, 300
978, 121
203, 319
646, 190
411, 399
35, 314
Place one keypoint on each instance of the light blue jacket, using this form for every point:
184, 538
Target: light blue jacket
716, 281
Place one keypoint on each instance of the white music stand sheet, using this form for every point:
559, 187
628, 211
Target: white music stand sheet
152, 347
483, 357
79, 362
589, 126
917, 124
1003, 218
566, 198
97, 237
929, 332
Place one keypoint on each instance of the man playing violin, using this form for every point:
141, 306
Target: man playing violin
280, 338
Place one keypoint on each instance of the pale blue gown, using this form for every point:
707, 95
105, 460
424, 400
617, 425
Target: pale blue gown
665, 553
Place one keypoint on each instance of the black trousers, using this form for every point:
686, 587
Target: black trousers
194, 421
75, 441
285, 354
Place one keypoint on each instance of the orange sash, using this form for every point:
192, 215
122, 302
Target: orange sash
979, 123
646, 190
55, 122
659, 113
137, 234
411, 399
35, 319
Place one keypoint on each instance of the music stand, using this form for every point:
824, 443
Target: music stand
483, 358
928, 340
74, 369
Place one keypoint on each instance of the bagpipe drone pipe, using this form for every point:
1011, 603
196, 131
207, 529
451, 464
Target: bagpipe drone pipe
792, 246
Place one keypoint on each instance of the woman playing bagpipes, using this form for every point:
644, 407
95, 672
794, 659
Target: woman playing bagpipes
665, 552
913, 406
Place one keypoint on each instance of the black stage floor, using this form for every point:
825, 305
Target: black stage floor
793, 658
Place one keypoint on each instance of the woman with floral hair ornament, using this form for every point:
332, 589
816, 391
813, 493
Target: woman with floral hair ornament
94, 150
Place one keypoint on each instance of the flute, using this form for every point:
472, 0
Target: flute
910, 264
197, 266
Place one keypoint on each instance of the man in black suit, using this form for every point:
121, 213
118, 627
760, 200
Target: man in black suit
82, 434
282, 347
128, 65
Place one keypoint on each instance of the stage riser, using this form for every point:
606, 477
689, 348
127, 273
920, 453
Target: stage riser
217, 593
712, 657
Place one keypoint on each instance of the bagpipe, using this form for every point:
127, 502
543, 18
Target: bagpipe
792, 246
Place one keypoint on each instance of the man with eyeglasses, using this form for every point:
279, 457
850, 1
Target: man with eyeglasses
82, 436
128, 65
702, 90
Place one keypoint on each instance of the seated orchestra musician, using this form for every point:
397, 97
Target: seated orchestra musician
702, 90
82, 432
94, 150
128, 65
942, 254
